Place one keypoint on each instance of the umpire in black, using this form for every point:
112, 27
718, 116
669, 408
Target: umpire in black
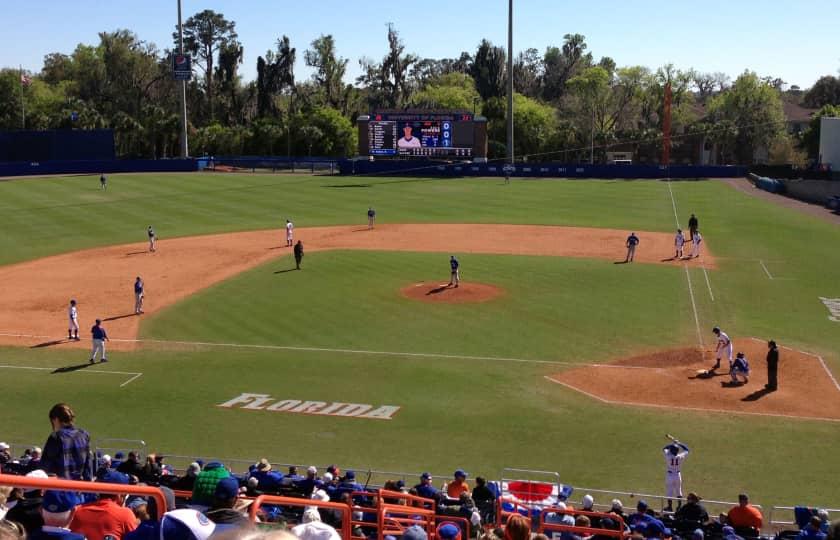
772, 366
298, 254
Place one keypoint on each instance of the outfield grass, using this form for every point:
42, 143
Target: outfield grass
480, 414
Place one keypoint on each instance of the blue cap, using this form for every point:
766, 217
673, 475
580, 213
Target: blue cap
400, 484
425, 476
227, 488
460, 472
119, 455
655, 527
59, 501
350, 475
115, 477
642, 505
449, 531
186, 525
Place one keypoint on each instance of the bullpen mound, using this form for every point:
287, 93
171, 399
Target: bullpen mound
437, 292
681, 379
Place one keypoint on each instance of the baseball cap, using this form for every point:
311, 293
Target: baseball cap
460, 472
119, 455
227, 488
588, 501
656, 527
312, 470
415, 532
328, 477
641, 505
425, 476
106, 457
449, 531
350, 475
37, 473
57, 502
115, 477
4, 446
186, 524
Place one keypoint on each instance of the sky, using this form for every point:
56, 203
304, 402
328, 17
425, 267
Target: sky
798, 41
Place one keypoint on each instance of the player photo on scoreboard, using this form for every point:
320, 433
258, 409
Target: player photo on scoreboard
410, 136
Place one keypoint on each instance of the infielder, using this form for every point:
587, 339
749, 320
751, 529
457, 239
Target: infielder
740, 367
152, 238
455, 272
724, 347
100, 336
696, 240
138, 296
290, 233
675, 454
73, 321
632, 242
679, 242
371, 217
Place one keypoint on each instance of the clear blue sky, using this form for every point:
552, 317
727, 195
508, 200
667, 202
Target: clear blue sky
798, 41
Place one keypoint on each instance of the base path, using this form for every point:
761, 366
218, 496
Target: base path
35, 296
674, 379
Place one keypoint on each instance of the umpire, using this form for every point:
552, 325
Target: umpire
772, 366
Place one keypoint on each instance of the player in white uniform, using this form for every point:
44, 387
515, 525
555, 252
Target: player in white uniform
290, 233
723, 348
408, 140
152, 237
675, 454
679, 242
73, 321
695, 244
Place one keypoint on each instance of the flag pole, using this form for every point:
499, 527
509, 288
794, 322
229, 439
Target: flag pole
22, 105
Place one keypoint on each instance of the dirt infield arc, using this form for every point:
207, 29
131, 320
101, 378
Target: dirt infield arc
34, 300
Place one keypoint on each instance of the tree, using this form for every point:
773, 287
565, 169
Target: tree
204, 34
311, 136
452, 91
488, 70
275, 72
826, 91
528, 73
329, 69
387, 82
752, 108
561, 64
811, 137
535, 127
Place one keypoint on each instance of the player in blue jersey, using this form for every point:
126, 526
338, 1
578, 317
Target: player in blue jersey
99, 336
455, 272
740, 367
138, 296
632, 242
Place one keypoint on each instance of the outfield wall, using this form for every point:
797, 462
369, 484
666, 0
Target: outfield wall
96, 166
540, 170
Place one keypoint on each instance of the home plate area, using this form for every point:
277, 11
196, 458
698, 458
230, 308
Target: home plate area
683, 379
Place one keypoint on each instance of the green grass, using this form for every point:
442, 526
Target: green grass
481, 414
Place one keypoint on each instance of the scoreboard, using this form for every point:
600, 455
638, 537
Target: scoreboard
419, 134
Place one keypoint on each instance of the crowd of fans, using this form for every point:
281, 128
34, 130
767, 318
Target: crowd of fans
208, 500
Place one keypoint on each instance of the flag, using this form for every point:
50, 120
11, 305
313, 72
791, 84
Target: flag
25, 80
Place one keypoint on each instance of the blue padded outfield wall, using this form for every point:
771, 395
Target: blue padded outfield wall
97, 166
59, 144
531, 170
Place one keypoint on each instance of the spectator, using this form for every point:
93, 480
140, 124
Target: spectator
269, 481
67, 450
5, 453
57, 512
692, 511
33, 460
415, 532
641, 517
307, 485
204, 490
150, 528
104, 466
518, 528
140, 508
117, 461
185, 525
834, 531
187, 482
656, 529
131, 466
425, 487
150, 473
617, 508
329, 485
293, 475
448, 531
458, 486
813, 531
745, 514
313, 528
25, 506
349, 485
222, 512
588, 503
5, 491
730, 534
107, 516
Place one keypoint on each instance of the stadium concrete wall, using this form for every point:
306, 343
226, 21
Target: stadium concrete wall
813, 191
34, 168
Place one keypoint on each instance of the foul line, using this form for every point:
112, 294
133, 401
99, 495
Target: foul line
766, 271
687, 276
708, 284
683, 408
32, 368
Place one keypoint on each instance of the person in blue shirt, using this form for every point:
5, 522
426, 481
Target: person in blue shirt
455, 272
812, 531
632, 242
425, 487
57, 511
348, 485
268, 481
99, 336
641, 517
138, 296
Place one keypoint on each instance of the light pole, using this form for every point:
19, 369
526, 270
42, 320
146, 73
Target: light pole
184, 137
510, 84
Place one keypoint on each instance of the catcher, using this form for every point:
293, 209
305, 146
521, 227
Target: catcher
740, 367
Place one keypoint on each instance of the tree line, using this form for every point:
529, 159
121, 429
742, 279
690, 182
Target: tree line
567, 103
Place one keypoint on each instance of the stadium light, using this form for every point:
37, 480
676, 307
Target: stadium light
510, 84
184, 137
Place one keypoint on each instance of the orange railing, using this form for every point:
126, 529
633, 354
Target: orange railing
61, 484
346, 511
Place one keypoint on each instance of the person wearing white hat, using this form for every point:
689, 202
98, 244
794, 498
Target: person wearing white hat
313, 528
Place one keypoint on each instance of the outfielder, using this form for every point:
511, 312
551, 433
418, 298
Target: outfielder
290, 233
152, 238
740, 367
100, 336
675, 454
455, 272
696, 240
138, 296
679, 242
73, 321
103, 182
723, 347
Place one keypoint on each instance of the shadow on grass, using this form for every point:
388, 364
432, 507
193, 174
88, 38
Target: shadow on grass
286, 270
70, 369
341, 186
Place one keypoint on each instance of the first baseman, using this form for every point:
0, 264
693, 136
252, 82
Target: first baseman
679, 242
100, 336
675, 454
723, 347
455, 272
290, 233
632, 242
138, 296
73, 321
152, 238
696, 240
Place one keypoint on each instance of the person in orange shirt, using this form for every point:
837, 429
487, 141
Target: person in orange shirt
745, 514
458, 486
105, 517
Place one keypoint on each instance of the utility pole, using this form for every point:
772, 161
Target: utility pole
510, 84
22, 105
592, 139
184, 137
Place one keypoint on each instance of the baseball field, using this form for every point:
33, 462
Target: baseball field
551, 355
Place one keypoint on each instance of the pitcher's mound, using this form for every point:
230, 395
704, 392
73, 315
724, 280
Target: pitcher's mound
427, 291
682, 379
